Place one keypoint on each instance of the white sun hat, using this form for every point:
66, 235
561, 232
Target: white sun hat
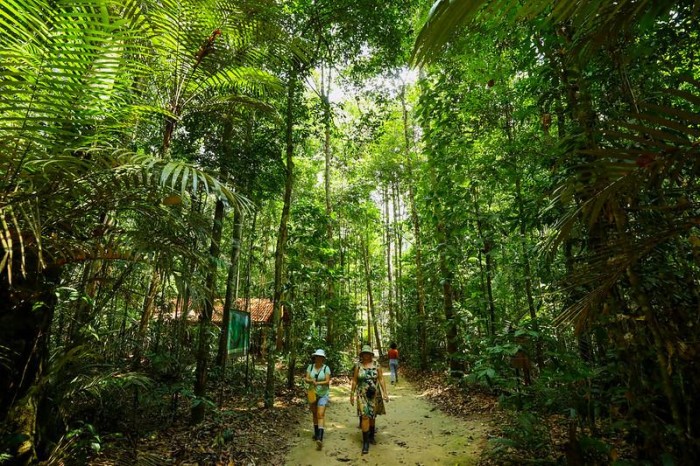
319, 352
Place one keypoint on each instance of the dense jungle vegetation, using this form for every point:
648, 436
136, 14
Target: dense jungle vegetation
508, 190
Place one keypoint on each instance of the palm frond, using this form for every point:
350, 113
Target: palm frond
71, 76
243, 80
650, 164
592, 21
102, 181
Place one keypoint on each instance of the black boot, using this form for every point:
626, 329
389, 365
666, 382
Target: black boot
365, 443
315, 437
371, 435
319, 439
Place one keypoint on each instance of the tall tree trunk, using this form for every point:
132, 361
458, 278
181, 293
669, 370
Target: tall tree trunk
486, 250
281, 243
200, 385
446, 277
330, 302
291, 338
371, 318
398, 242
231, 287
417, 242
342, 243
389, 272
246, 295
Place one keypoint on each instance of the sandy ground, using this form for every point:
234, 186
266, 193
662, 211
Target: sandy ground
413, 432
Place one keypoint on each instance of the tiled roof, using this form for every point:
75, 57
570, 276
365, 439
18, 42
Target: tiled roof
260, 311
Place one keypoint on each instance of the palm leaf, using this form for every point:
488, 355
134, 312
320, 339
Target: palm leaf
593, 21
67, 80
652, 161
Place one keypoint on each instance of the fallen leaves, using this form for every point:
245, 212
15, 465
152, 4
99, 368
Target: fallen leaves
241, 432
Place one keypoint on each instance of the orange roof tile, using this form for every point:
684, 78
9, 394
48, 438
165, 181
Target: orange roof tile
260, 311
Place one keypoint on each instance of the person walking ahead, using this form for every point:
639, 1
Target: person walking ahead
394, 363
318, 378
369, 389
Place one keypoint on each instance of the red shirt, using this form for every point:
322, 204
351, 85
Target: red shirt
393, 354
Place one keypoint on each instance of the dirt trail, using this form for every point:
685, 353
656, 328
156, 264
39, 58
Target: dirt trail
412, 433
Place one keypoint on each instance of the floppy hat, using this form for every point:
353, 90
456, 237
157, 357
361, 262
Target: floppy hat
319, 352
367, 349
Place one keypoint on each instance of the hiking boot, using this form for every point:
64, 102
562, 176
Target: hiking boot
371, 435
319, 439
365, 443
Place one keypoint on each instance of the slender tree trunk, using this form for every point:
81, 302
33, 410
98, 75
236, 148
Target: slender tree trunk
330, 303
446, 277
168, 134
417, 243
342, 243
266, 226
231, 287
398, 241
200, 385
281, 243
252, 333
291, 345
368, 287
389, 271
489, 287
486, 250
168, 307
371, 317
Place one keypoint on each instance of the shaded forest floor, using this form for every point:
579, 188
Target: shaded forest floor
242, 432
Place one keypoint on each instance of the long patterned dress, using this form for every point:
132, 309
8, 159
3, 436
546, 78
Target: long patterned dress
366, 378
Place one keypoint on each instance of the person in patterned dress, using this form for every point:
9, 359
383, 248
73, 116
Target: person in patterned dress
369, 390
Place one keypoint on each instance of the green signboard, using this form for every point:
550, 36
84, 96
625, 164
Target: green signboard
239, 333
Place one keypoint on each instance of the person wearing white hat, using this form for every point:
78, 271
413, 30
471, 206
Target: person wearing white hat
318, 378
369, 389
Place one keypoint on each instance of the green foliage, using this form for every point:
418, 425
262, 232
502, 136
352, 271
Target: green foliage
78, 444
593, 23
543, 170
528, 436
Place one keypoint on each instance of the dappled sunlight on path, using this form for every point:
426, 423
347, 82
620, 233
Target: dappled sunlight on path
412, 433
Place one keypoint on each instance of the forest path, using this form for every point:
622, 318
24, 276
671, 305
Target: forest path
413, 432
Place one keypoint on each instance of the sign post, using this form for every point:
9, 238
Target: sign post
239, 333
